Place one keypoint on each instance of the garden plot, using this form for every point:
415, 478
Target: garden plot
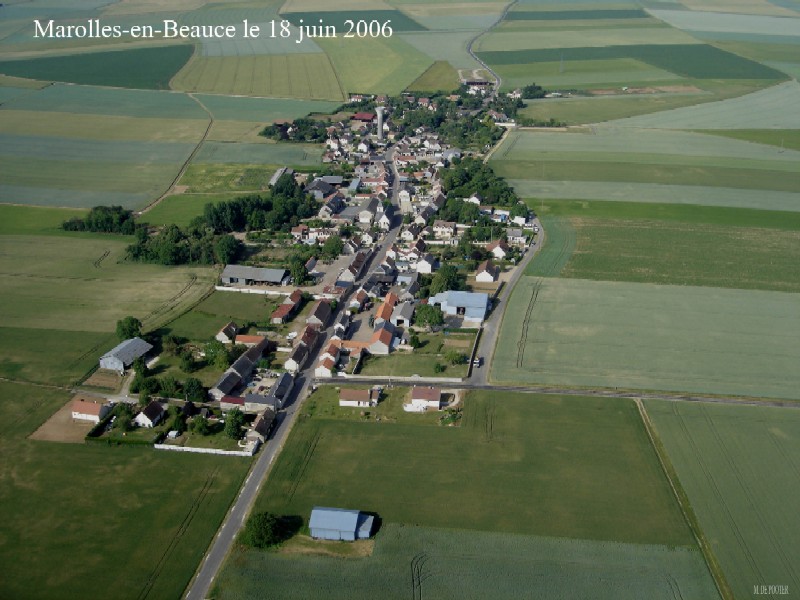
643, 336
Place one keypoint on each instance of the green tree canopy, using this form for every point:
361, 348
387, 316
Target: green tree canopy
262, 530
428, 315
129, 327
233, 424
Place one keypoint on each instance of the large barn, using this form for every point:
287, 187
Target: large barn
244, 275
340, 524
123, 355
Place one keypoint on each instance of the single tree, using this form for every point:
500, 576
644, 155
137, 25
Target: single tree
428, 316
193, 390
168, 387
454, 357
262, 530
200, 426
129, 327
233, 424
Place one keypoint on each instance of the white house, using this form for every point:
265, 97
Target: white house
87, 410
499, 249
487, 272
151, 416
427, 264
424, 398
358, 398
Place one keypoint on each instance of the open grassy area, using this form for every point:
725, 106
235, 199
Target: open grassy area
66, 293
207, 318
224, 177
738, 465
584, 467
457, 564
180, 209
783, 138
324, 404
144, 68
558, 247
656, 337
35, 220
406, 364
129, 519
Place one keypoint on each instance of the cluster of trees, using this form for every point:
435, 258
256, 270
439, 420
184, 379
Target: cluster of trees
532, 91
300, 130
469, 175
507, 105
264, 529
103, 219
234, 421
195, 245
129, 327
551, 122
446, 278
428, 316
280, 209
168, 386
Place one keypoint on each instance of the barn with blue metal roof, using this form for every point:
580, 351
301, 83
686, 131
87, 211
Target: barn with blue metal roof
340, 524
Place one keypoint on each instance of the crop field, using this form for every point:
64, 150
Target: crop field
455, 16
370, 65
104, 128
441, 76
690, 214
738, 465
656, 337
147, 68
776, 107
783, 138
655, 193
263, 110
548, 45
34, 220
212, 314
306, 75
450, 46
570, 15
643, 156
697, 20
559, 245
69, 551
264, 153
456, 564
67, 292
74, 172
698, 254
92, 100
584, 465
399, 21
699, 61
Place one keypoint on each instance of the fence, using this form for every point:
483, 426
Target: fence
207, 450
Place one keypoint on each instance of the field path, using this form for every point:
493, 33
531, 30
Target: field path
187, 162
497, 80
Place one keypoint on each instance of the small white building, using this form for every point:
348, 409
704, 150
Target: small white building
358, 398
424, 398
227, 334
487, 272
151, 416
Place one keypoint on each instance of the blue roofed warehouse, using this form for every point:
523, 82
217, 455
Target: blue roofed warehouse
339, 524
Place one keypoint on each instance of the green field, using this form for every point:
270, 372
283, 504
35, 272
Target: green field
212, 314
375, 65
569, 15
144, 68
776, 107
202, 178
655, 337
583, 465
264, 110
450, 46
299, 75
738, 466
264, 153
66, 293
559, 244
784, 138
440, 77
95, 518
180, 209
399, 21
677, 253
457, 564
688, 60
35, 220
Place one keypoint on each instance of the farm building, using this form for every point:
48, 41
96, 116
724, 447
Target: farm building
472, 306
423, 398
88, 410
123, 355
242, 275
228, 382
151, 415
401, 316
358, 398
227, 333
251, 341
227, 403
340, 524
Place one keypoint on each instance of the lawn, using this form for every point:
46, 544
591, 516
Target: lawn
143, 68
655, 337
738, 466
129, 519
458, 564
406, 364
584, 467
204, 320
180, 209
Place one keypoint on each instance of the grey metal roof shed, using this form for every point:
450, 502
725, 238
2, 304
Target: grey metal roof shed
123, 355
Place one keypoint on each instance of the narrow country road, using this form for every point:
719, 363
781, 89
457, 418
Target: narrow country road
234, 520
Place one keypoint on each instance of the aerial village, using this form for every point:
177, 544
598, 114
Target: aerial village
402, 272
